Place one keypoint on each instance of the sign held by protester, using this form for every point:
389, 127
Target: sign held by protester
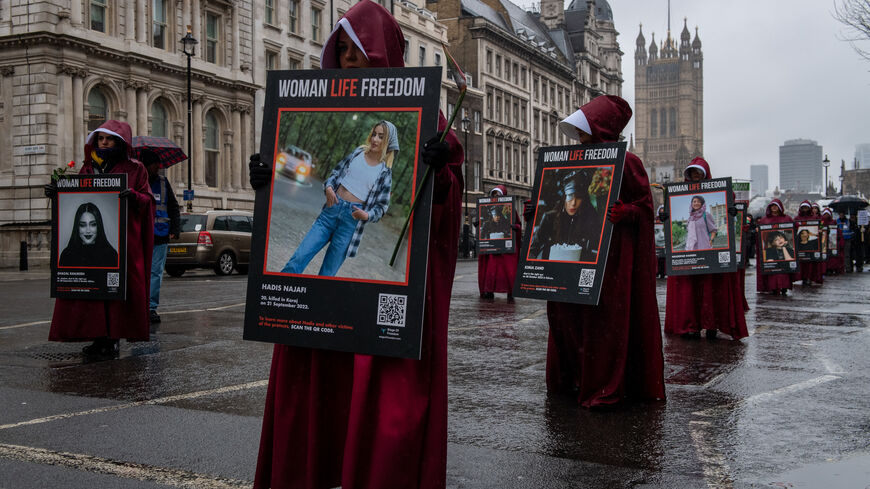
699, 236
809, 241
564, 257
778, 253
345, 146
740, 241
495, 233
89, 238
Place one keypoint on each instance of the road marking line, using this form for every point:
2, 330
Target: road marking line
117, 407
829, 364
127, 470
763, 396
34, 323
219, 308
717, 473
531, 316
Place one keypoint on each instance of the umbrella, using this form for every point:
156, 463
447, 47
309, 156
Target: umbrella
848, 203
165, 149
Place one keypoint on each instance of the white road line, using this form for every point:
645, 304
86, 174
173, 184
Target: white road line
161, 400
829, 364
717, 473
127, 470
22, 325
764, 396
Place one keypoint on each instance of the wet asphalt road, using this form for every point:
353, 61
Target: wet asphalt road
787, 407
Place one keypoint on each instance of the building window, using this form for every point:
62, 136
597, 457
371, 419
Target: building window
535, 84
523, 70
294, 63
553, 94
99, 14
407, 51
544, 90
516, 114
211, 147
653, 123
516, 74
272, 60
477, 121
489, 105
158, 24
663, 123
212, 37
477, 174
98, 109
523, 120
315, 24
498, 109
293, 18
437, 59
498, 65
537, 125
673, 122
489, 161
450, 109
159, 120
270, 11
422, 60
488, 61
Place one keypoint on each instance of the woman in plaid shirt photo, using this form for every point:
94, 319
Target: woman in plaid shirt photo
357, 192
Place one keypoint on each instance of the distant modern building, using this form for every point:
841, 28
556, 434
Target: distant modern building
758, 174
800, 166
862, 157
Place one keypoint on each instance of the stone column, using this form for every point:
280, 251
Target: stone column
141, 110
75, 8
141, 21
196, 22
185, 17
65, 114
237, 58
197, 135
131, 119
245, 146
78, 128
236, 162
129, 22
225, 181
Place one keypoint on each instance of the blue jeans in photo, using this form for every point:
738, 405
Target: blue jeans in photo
335, 225
158, 260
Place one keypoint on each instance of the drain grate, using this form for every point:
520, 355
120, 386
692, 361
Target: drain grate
59, 354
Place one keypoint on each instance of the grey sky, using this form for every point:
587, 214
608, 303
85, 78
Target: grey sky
773, 70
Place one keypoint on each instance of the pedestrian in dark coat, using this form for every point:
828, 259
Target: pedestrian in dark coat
605, 354
108, 150
360, 421
167, 225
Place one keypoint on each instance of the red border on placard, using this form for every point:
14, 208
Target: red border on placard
117, 226
419, 111
600, 233
671, 230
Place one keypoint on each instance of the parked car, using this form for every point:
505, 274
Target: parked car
294, 163
215, 239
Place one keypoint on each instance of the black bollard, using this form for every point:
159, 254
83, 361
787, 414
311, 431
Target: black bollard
22, 257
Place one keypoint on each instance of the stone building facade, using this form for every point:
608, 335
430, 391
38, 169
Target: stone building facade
669, 104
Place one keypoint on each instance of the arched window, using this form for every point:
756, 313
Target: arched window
159, 120
98, 108
212, 149
673, 122
653, 124
663, 123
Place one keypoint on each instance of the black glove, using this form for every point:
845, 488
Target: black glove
125, 194
528, 210
436, 152
130, 197
260, 172
732, 211
664, 216
50, 190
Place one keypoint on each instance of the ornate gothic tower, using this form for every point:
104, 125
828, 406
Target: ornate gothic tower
669, 104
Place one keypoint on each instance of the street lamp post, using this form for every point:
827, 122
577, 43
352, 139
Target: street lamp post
466, 122
189, 49
826, 163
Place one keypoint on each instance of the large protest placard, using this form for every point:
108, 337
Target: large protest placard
740, 240
700, 237
809, 239
345, 146
564, 257
89, 238
833, 240
741, 191
777, 248
495, 234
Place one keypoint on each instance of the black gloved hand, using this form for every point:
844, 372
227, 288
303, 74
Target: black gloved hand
125, 194
260, 172
528, 210
732, 211
50, 190
664, 216
130, 197
435, 152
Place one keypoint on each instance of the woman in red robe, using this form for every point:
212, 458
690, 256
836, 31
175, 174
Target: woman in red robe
777, 283
810, 271
835, 265
106, 322
711, 301
605, 354
360, 421
496, 272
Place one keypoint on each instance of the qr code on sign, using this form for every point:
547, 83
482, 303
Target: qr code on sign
391, 310
113, 279
724, 257
587, 277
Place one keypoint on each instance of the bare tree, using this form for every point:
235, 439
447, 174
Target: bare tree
855, 15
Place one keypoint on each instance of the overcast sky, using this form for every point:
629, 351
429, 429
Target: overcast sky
773, 70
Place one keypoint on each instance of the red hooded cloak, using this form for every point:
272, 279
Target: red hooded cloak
809, 270
360, 421
606, 353
835, 265
82, 320
778, 281
712, 301
496, 273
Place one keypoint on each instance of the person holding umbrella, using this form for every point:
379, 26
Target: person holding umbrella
167, 218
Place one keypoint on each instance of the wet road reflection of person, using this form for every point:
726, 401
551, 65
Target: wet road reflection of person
568, 232
88, 245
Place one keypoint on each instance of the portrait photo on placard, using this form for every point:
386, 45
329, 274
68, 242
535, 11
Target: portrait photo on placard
569, 217
808, 239
342, 187
88, 230
699, 221
778, 245
495, 221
